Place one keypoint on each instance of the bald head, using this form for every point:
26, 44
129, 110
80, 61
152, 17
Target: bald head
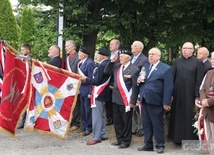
53, 51
154, 55
202, 53
187, 49
114, 45
137, 47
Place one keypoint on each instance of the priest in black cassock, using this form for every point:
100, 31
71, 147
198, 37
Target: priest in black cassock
188, 74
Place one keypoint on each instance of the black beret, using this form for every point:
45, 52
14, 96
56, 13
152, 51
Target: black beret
126, 52
103, 51
84, 50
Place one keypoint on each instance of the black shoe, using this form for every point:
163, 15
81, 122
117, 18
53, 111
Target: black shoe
80, 130
122, 146
145, 148
139, 134
116, 143
109, 122
86, 133
160, 150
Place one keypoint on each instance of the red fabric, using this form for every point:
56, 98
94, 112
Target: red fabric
122, 93
13, 102
56, 120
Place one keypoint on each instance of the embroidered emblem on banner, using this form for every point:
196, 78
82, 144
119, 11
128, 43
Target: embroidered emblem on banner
57, 124
70, 87
38, 77
48, 101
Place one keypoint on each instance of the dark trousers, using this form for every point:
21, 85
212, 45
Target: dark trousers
76, 113
22, 121
86, 113
153, 124
109, 109
122, 124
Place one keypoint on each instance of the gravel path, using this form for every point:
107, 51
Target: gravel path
32, 143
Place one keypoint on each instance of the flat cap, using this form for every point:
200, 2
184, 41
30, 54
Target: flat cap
84, 50
103, 51
126, 52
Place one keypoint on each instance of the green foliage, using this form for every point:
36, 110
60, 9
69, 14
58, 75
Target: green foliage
8, 26
45, 33
104, 39
167, 23
27, 27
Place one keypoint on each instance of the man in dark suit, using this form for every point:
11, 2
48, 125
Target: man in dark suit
203, 54
85, 68
139, 60
155, 94
71, 65
54, 54
99, 95
124, 96
114, 48
72, 59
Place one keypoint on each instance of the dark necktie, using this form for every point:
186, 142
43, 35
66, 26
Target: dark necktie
150, 70
80, 64
150, 67
123, 68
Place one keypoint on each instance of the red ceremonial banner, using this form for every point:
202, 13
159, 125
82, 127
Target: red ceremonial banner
16, 92
55, 92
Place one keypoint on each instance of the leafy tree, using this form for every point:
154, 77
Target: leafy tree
45, 33
27, 27
8, 26
162, 23
42, 27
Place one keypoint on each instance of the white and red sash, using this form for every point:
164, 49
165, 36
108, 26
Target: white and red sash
125, 94
68, 64
78, 68
202, 129
202, 135
97, 90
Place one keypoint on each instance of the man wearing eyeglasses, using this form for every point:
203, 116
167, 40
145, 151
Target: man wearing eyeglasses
188, 74
155, 95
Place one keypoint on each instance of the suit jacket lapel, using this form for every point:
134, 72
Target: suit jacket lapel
127, 69
82, 67
157, 68
137, 60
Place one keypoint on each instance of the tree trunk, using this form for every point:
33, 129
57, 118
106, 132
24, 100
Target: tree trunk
89, 41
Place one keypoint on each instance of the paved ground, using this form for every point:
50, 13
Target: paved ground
32, 143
